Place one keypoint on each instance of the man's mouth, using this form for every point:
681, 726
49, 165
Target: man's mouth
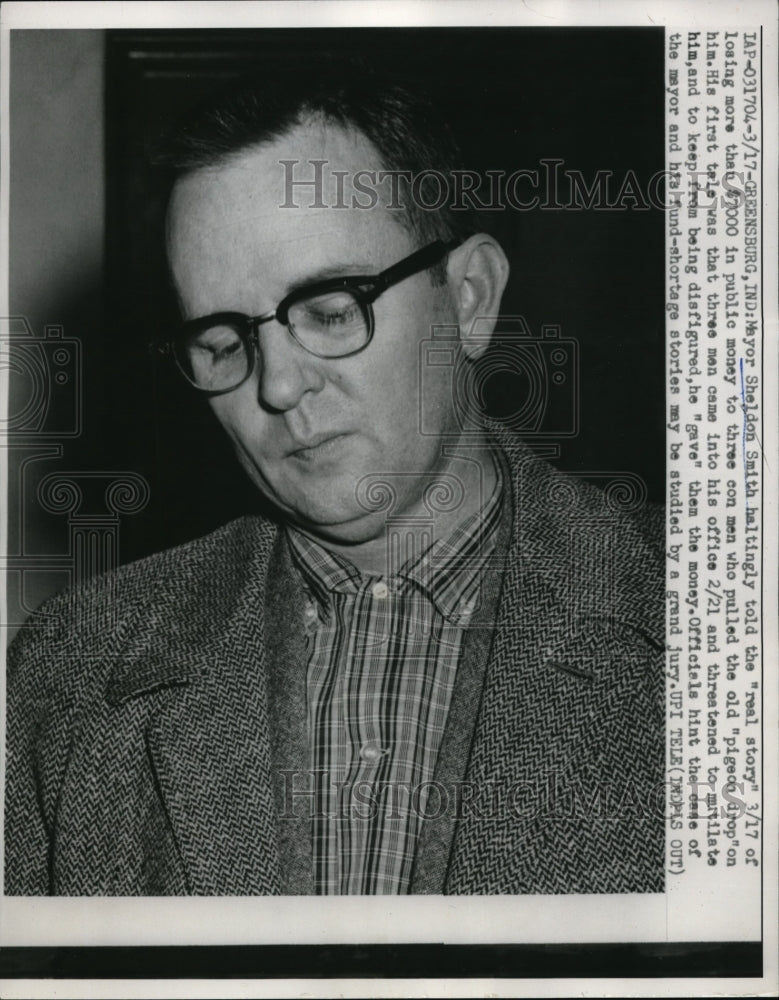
321, 445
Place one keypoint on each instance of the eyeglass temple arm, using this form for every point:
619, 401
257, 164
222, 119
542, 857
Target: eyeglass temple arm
418, 261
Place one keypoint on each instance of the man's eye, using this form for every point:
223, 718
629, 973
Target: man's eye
335, 317
333, 312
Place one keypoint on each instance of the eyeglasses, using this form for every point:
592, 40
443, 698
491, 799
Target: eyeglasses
329, 319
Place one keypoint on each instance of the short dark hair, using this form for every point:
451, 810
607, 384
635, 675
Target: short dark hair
402, 124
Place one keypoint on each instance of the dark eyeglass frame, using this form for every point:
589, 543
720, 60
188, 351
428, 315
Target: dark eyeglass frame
365, 288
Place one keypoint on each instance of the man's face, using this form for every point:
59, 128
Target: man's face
308, 430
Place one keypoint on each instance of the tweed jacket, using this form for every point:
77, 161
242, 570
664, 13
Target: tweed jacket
157, 714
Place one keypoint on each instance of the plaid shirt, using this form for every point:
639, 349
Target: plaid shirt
383, 652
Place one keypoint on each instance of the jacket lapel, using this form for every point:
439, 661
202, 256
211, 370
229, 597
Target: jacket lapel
435, 839
545, 688
287, 662
208, 734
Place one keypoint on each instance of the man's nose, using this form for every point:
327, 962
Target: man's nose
285, 371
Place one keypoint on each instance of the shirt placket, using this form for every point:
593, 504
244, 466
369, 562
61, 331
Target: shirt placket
330, 758
368, 744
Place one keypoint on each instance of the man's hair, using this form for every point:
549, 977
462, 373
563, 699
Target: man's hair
403, 125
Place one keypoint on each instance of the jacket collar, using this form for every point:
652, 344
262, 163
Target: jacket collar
193, 614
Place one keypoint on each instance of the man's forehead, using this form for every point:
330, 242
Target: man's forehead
242, 216
303, 185
314, 167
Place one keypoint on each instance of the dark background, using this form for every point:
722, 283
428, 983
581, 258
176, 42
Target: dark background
87, 208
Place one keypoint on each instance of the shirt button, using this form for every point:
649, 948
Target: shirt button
380, 590
370, 752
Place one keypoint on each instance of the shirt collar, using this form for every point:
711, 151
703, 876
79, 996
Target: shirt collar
322, 571
448, 571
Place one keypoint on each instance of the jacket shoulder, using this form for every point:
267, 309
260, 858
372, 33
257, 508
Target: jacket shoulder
83, 620
601, 547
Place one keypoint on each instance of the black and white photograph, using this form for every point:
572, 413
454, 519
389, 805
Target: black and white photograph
359, 376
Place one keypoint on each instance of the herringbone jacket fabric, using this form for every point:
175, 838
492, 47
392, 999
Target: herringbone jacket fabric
155, 716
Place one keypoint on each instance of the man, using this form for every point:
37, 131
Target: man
438, 667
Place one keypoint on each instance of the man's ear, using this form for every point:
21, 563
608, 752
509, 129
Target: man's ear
477, 273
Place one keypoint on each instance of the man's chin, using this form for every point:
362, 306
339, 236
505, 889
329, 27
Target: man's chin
339, 527
325, 509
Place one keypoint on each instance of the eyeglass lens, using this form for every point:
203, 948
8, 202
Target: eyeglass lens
329, 325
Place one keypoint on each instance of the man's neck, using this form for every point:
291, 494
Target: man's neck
470, 466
